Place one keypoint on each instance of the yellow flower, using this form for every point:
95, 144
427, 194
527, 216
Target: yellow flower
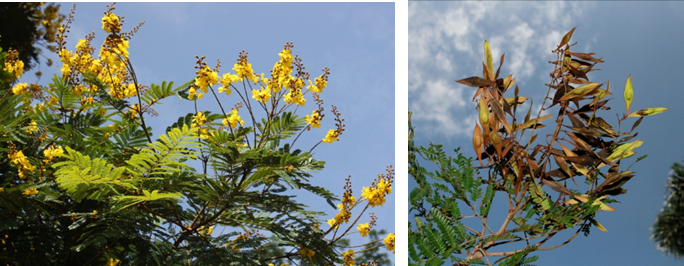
333, 223
13, 64
53, 151
112, 262
32, 127
19, 159
110, 23
233, 119
374, 196
348, 257
348, 198
384, 186
315, 119
389, 242
20, 88
199, 120
261, 95
331, 136
227, 80
296, 97
243, 69
193, 95
30, 191
305, 252
205, 78
364, 229
344, 214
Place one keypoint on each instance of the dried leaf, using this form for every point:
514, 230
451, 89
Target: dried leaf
501, 117
476, 82
636, 123
567, 37
499, 69
584, 56
496, 142
648, 111
629, 93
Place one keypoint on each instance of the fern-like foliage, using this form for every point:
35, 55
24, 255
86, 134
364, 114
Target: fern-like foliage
85, 178
164, 156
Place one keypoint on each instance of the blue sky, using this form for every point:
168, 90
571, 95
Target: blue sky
355, 40
638, 38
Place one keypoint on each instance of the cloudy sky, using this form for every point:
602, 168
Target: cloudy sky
639, 38
355, 40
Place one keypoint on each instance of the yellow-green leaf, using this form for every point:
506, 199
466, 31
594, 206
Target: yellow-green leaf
484, 111
531, 122
598, 225
511, 100
629, 93
582, 91
489, 60
648, 111
624, 150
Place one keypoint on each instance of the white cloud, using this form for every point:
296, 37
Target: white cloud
445, 44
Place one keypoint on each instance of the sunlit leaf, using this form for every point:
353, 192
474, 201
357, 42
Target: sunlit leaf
582, 91
489, 60
511, 100
648, 111
629, 93
484, 111
624, 150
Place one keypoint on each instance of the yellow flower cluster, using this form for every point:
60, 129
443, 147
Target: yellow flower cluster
364, 229
389, 242
111, 23
199, 120
205, 232
320, 84
376, 194
30, 191
243, 70
348, 257
13, 64
262, 95
348, 201
51, 152
228, 80
233, 119
333, 135
18, 158
315, 119
282, 264
205, 78
113, 262
32, 127
20, 88
305, 252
